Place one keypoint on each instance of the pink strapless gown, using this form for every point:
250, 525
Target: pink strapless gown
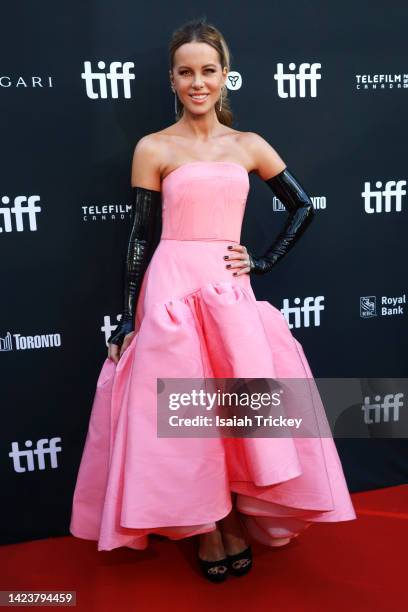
130, 482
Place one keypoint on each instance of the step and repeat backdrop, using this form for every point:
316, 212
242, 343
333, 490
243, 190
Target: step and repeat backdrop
80, 83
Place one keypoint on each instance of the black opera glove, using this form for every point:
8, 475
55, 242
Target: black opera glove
146, 209
301, 212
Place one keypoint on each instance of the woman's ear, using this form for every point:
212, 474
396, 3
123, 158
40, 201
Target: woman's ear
225, 75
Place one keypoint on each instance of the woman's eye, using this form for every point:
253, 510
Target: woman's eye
183, 72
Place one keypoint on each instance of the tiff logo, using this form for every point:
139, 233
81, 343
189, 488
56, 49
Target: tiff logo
108, 328
381, 410
297, 82
384, 200
311, 305
12, 217
118, 71
41, 451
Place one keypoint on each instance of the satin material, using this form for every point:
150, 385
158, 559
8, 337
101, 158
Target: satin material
194, 319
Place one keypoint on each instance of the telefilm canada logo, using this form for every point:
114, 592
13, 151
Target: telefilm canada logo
19, 214
385, 198
375, 82
92, 213
297, 81
385, 306
19, 342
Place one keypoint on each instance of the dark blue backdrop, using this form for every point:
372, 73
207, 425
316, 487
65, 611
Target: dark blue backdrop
66, 198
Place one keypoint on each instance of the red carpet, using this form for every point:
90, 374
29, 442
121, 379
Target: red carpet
358, 565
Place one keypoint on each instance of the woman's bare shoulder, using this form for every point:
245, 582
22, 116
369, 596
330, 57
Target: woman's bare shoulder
146, 162
265, 160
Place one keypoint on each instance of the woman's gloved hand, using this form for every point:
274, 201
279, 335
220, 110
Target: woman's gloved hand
145, 213
301, 212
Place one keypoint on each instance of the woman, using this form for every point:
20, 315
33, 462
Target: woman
191, 313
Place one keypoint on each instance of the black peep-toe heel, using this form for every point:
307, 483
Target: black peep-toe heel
216, 571
240, 563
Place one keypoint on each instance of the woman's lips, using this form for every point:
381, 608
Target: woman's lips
200, 99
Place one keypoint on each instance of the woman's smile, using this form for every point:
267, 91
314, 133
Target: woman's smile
199, 97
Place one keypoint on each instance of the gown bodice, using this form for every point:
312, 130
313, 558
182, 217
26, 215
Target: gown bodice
204, 200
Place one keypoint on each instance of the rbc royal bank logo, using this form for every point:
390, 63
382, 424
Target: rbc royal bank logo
388, 305
368, 306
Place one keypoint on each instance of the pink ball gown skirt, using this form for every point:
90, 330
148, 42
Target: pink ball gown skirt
194, 319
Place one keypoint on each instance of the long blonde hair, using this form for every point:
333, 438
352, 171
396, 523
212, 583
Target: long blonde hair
198, 30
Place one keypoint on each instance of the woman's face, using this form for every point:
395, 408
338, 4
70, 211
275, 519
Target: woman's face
197, 72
